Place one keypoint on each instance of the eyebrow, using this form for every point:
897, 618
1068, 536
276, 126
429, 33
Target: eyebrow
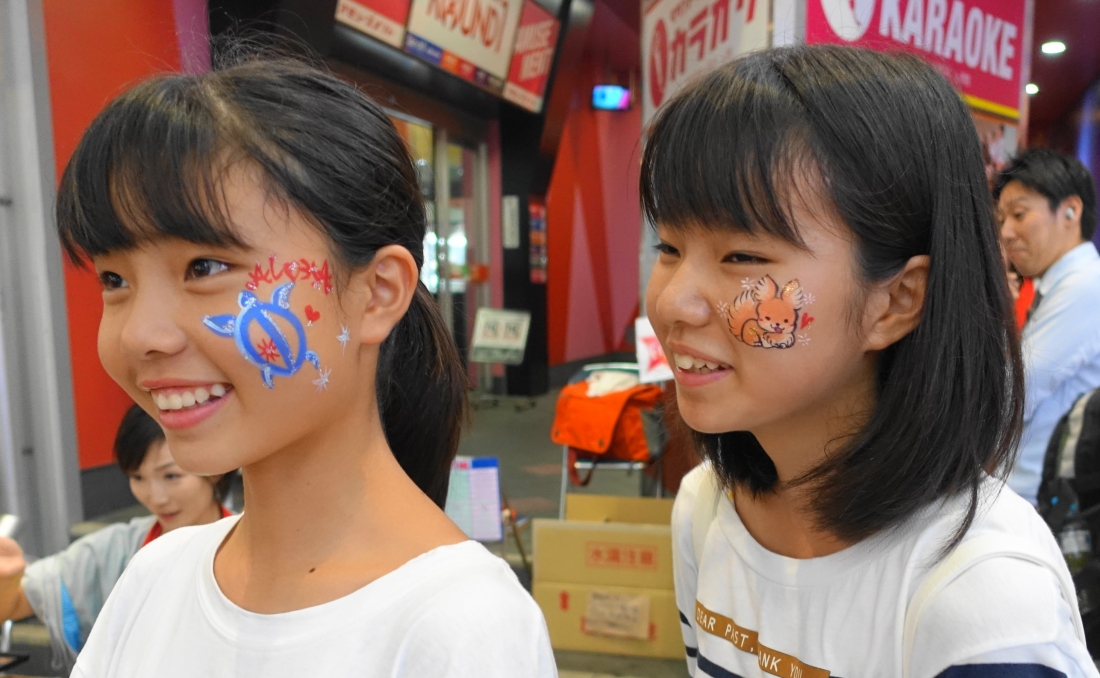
164, 466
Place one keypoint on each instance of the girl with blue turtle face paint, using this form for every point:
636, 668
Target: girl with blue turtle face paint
258, 231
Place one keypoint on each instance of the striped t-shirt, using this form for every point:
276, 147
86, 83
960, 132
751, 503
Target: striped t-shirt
749, 613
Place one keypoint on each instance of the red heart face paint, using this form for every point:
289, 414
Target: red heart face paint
312, 316
769, 316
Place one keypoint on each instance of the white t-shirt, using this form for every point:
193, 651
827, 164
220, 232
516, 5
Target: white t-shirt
843, 614
456, 611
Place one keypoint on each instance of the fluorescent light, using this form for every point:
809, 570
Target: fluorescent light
1053, 47
1031, 88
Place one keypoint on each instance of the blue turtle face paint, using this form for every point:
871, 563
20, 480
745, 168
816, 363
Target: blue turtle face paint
274, 355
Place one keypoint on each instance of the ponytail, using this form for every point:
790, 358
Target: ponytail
422, 395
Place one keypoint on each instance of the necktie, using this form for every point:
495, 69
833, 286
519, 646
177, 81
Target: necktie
1034, 305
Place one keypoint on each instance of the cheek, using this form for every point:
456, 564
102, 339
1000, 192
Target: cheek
110, 348
192, 493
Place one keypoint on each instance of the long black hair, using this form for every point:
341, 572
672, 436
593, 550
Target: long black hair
899, 158
151, 163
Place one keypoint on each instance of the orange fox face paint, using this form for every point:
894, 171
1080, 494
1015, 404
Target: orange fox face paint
769, 316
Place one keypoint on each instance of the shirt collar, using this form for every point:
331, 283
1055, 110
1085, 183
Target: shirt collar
1070, 261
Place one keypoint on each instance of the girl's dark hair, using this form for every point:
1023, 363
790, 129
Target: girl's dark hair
137, 434
151, 163
892, 146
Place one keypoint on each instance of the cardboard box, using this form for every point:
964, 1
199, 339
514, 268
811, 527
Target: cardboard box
605, 509
565, 607
611, 554
614, 541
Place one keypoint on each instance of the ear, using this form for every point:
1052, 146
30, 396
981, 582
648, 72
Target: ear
792, 292
765, 288
1072, 224
893, 307
384, 288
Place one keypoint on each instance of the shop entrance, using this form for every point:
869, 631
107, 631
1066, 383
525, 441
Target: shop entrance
453, 177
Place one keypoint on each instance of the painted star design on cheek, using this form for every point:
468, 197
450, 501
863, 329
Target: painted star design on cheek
321, 382
267, 350
746, 283
808, 298
804, 339
344, 338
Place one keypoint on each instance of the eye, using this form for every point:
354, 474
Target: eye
112, 281
767, 317
135, 477
665, 248
171, 476
203, 268
741, 258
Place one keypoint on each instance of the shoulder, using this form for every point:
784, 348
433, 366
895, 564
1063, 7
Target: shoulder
478, 616
1005, 605
474, 585
686, 497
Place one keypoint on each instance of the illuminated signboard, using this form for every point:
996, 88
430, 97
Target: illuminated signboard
503, 46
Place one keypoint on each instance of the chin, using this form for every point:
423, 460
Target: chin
706, 418
207, 460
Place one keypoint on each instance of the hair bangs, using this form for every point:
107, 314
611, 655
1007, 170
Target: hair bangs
144, 171
728, 152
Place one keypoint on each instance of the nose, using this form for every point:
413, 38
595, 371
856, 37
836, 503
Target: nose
158, 497
150, 328
682, 299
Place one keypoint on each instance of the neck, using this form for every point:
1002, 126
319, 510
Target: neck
300, 501
783, 520
1063, 251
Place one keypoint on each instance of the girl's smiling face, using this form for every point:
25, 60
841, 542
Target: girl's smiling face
156, 337
770, 376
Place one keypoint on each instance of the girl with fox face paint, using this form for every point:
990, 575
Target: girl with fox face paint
830, 290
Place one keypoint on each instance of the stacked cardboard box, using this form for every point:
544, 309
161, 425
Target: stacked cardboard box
603, 577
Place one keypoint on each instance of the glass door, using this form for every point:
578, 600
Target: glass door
454, 182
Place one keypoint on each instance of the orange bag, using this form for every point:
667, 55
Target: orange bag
607, 427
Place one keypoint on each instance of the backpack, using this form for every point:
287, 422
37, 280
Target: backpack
1069, 502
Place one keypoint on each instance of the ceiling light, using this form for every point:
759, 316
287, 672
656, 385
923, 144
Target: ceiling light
1031, 88
1053, 47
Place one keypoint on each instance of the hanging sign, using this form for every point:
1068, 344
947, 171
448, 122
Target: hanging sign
653, 366
977, 44
471, 38
380, 19
684, 38
532, 57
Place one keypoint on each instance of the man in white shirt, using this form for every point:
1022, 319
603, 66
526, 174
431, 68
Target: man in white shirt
1047, 207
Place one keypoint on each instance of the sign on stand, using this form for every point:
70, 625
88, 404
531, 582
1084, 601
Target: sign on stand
500, 336
532, 57
473, 497
380, 19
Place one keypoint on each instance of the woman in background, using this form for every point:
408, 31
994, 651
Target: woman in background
67, 590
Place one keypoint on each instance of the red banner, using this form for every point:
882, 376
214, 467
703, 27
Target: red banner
532, 57
977, 44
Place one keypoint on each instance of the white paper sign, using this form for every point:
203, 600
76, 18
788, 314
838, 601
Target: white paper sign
652, 364
619, 615
500, 336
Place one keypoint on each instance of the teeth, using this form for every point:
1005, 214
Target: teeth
686, 362
182, 399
